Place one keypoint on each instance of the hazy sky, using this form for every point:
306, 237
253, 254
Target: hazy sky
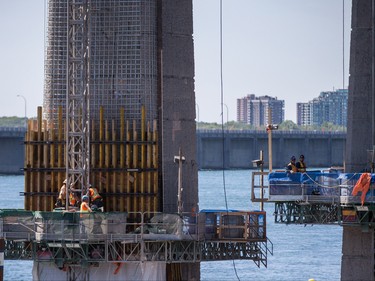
291, 49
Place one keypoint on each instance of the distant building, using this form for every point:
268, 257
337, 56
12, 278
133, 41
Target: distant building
330, 106
254, 110
303, 114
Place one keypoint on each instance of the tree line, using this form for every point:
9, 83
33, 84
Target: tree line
12, 121
287, 125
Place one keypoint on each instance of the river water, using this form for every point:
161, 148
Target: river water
300, 252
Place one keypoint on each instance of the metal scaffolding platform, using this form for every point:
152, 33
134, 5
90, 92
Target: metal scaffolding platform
73, 238
316, 197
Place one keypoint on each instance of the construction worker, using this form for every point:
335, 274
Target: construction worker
62, 196
85, 204
292, 165
301, 165
95, 199
85, 218
74, 199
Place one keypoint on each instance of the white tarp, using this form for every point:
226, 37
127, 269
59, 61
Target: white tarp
105, 271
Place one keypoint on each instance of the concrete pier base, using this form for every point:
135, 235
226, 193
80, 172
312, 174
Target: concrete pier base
357, 254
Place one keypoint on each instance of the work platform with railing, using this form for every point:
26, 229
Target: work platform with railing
86, 239
317, 197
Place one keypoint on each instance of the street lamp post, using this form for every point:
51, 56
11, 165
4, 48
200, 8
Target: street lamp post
227, 113
24, 99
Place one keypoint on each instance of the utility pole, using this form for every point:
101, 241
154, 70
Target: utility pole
270, 128
179, 159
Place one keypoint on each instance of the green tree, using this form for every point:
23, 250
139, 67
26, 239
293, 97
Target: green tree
288, 125
12, 121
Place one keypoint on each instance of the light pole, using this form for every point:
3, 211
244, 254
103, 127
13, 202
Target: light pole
227, 113
24, 99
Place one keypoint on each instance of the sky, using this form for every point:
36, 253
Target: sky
289, 49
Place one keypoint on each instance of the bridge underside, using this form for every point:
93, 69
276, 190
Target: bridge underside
306, 213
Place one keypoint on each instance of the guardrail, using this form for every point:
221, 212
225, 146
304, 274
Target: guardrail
71, 226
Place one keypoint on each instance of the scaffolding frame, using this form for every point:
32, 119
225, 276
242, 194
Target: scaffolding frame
47, 237
123, 58
77, 98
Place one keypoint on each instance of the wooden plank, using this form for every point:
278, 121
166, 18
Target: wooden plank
155, 159
143, 159
122, 158
129, 177
135, 166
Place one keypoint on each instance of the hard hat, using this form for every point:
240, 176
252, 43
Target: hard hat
301, 156
293, 158
65, 181
85, 197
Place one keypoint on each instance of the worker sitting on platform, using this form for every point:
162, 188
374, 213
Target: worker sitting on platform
96, 201
292, 165
301, 165
62, 196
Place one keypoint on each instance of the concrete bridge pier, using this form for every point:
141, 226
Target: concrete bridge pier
358, 243
12, 150
357, 254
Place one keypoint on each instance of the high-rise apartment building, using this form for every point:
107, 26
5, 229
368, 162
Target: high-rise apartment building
330, 106
254, 110
303, 114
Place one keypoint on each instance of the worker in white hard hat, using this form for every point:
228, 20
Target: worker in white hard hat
62, 196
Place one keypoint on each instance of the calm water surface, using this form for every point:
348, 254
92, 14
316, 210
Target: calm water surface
300, 252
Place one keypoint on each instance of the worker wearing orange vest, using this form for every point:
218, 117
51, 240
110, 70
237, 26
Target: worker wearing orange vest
73, 199
95, 199
85, 218
85, 204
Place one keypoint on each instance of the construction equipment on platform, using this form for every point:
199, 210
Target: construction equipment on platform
318, 197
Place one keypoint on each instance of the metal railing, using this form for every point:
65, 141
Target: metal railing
73, 237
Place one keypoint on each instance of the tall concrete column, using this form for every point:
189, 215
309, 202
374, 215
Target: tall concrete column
361, 96
178, 103
177, 110
358, 245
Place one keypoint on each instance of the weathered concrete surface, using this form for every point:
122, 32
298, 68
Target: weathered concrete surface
177, 115
321, 149
361, 96
12, 150
357, 254
358, 246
